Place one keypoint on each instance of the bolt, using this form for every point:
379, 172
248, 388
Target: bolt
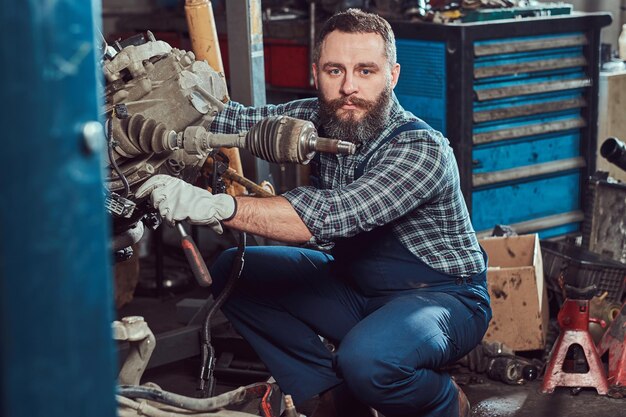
93, 136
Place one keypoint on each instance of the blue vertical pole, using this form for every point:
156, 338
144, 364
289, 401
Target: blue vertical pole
56, 351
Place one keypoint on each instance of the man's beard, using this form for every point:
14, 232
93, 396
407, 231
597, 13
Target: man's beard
349, 127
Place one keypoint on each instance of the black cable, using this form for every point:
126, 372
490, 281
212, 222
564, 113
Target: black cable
116, 168
207, 383
214, 180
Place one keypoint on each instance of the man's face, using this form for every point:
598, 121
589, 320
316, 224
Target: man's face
354, 80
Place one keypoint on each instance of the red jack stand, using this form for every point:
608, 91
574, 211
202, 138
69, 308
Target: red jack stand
614, 341
574, 321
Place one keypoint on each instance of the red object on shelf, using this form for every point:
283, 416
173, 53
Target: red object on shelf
614, 341
574, 321
286, 64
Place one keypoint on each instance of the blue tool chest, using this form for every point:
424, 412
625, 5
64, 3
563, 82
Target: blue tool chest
518, 101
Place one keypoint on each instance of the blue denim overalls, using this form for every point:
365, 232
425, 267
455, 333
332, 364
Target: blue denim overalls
395, 321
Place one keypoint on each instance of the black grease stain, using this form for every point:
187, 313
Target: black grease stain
499, 293
516, 281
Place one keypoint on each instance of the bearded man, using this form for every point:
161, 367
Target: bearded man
402, 292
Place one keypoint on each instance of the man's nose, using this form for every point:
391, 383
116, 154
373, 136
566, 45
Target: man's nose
349, 85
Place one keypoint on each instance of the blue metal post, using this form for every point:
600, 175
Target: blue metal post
56, 350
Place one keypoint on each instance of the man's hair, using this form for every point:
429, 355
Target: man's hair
357, 21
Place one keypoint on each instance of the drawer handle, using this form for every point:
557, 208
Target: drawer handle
525, 172
508, 46
529, 109
542, 223
528, 130
531, 88
530, 66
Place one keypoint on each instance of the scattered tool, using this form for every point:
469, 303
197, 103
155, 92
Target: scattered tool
614, 341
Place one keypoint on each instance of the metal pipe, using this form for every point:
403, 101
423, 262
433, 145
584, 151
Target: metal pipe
205, 45
274, 139
251, 186
203, 34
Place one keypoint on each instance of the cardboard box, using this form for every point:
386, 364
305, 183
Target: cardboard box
518, 295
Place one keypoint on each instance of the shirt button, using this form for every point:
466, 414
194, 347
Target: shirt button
459, 281
468, 280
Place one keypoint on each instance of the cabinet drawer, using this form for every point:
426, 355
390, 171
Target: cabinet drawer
523, 201
515, 154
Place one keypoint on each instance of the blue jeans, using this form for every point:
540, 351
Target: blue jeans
394, 328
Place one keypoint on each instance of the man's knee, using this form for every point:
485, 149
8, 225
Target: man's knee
220, 270
381, 383
368, 375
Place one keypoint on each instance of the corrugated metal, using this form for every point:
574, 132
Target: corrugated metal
421, 88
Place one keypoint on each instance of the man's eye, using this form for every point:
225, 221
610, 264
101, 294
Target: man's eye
366, 72
334, 71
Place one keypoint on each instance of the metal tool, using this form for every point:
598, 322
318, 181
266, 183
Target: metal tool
194, 258
614, 342
574, 321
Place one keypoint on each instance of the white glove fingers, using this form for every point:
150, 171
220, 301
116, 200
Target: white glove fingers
159, 199
177, 200
157, 181
217, 227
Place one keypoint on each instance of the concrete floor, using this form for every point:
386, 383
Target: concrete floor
488, 398
494, 399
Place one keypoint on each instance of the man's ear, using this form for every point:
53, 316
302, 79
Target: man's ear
395, 75
314, 68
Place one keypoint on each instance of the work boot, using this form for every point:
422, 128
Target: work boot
464, 404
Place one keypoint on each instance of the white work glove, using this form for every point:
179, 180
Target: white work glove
177, 200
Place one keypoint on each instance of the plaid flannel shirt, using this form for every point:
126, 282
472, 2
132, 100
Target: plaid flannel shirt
411, 183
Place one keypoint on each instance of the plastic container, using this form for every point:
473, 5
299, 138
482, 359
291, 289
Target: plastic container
581, 268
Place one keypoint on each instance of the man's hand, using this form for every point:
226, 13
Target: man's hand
177, 200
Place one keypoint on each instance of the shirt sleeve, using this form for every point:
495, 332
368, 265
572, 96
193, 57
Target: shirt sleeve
408, 172
237, 118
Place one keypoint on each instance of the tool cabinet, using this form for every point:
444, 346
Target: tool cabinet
518, 100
